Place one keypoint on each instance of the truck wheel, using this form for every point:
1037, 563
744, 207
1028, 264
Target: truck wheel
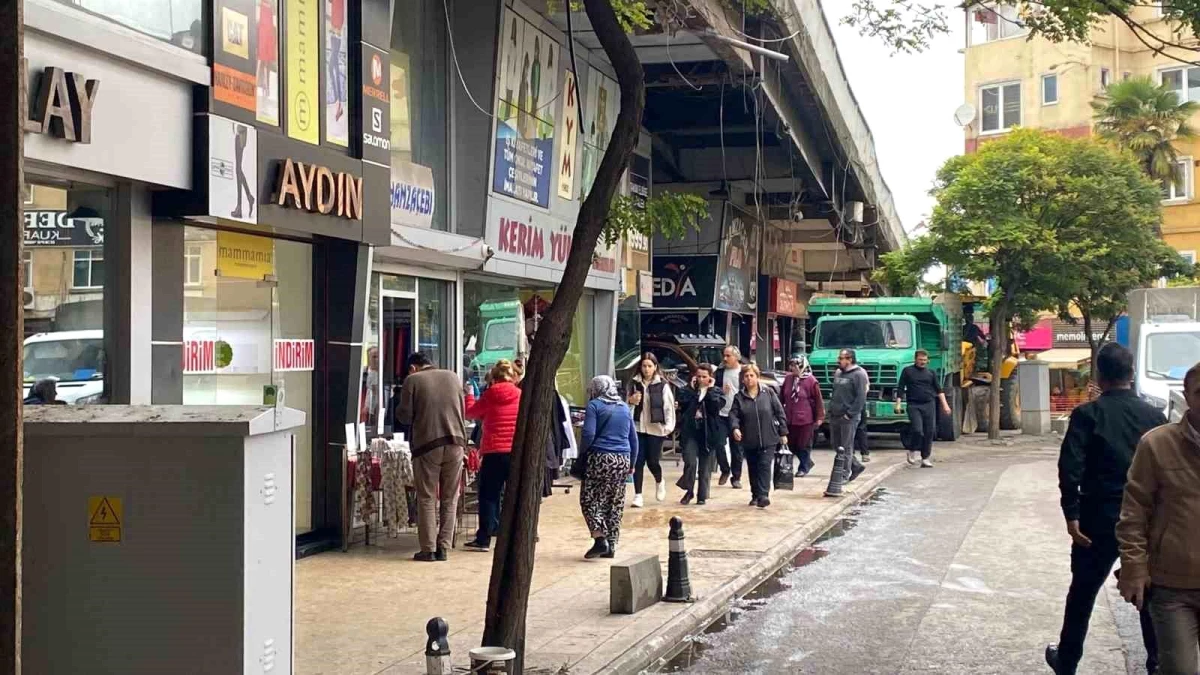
949, 427
1010, 403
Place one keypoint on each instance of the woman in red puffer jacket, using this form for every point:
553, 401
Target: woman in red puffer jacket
497, 410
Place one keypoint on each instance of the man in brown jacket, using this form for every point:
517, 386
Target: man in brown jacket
431, 402
1160, 550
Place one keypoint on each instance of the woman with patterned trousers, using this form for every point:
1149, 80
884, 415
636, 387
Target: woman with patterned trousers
609, 440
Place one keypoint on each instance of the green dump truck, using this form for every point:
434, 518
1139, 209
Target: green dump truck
885, 334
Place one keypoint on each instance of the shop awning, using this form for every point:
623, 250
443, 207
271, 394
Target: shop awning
1065, 359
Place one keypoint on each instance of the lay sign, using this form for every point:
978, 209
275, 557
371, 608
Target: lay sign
293, 355
199, 356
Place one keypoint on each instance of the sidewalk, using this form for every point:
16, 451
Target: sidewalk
364, 612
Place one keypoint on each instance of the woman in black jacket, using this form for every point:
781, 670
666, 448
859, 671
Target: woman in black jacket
756, 419
701, 432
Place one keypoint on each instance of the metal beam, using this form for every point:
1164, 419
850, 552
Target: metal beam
664, 151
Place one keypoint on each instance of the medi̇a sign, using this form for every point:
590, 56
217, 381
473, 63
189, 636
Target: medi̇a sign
61, 105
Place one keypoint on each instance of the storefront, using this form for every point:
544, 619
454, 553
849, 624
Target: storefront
782, 317
737, 292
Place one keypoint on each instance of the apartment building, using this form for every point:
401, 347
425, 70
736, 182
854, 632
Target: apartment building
1012, 80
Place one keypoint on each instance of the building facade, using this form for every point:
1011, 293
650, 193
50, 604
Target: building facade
1011, 80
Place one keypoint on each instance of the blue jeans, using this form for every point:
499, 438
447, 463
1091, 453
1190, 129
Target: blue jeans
493, 475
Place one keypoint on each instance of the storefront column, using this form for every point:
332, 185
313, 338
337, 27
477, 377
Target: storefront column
166, 350
341, 273
128, 252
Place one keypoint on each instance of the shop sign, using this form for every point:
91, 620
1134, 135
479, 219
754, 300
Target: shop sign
514, 237
199, 357
375, 106
412, 194
62, 105
234, 80
303, 70
1067, 334
774, 251
784, 298
1038, 338
645, 288
245, 256
54, 228
293, 355
524, 140
232, 170
336, 87
684, 281
793, 264
737, 270
566, 149
639, 181
600, 108
317, 189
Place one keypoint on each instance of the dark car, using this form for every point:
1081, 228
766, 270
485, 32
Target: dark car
678, 355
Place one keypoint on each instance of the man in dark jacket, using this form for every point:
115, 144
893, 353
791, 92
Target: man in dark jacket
920, 388
846, 405
1092, 469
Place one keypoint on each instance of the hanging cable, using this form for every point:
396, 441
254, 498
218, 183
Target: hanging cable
677, 72
574, 72
457, 68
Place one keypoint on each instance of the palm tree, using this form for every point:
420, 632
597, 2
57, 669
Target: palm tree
1145, 118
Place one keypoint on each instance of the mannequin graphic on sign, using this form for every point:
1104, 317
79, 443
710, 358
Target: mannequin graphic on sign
535, 88
523, 94
240, 133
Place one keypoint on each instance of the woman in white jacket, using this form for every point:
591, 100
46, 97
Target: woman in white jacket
654, 416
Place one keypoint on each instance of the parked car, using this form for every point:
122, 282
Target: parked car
74, 358
678, 355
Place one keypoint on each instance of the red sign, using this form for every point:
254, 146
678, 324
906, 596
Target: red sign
293, 355
199, 356
784, 297
538, 245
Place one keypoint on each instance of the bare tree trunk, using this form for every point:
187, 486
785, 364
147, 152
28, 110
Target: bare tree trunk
1093, 345
12, 304
512, 564
998, 326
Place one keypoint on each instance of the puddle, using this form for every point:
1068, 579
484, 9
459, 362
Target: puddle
695, 646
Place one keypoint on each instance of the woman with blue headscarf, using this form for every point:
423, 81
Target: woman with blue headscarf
610, 442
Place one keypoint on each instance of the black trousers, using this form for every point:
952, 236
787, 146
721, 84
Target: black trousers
922, 420
697, 470
861, 437
731, 465
1090, 568
493, 474
760, 462
649, 454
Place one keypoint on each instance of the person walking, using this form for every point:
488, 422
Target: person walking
654, 415
920, 388
497, 411
431, 404
804, 408
1156, 534
757, 418
701, 432
846, 405
44, 392
1092, 466
609, 440
729, 381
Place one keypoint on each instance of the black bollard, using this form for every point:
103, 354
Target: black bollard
437, 647
679, 587
837, 478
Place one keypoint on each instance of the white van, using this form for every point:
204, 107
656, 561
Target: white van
74, 358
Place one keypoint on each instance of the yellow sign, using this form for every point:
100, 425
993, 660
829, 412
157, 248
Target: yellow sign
245, 256
105, 514
235, 33
303, 71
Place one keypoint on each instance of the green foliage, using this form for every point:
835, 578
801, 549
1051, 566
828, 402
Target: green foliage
1054, 221
633, 15
1145, 118
908, 25
670, 214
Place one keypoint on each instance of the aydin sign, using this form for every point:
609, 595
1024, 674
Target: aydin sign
319, 190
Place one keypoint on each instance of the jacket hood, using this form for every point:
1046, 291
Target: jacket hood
505, 392
852, 368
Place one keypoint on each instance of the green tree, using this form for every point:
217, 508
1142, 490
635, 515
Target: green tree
1146, 119
1012, 213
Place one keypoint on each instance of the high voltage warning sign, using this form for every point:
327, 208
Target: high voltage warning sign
104, 519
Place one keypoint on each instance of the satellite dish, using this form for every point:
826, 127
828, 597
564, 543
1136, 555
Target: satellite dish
964, 115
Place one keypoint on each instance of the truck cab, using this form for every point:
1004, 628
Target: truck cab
885, 334
1164, 334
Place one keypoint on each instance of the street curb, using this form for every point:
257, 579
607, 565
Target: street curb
663, 641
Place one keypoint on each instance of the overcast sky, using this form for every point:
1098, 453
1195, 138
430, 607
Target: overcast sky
909, 103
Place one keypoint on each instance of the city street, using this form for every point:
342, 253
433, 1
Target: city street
958, 569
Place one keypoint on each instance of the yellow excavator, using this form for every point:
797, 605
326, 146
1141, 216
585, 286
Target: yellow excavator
977, 370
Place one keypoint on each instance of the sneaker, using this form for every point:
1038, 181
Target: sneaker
855, 473
701, 502
476, 546
735, 484
425, 556
441, 556
660, 492
866, 458
687, 498
914, 457
724, 478
764, 503
637, 502
927, 464
598, 549
1052, 657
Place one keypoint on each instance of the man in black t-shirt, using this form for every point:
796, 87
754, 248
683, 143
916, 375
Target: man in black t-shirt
923, 390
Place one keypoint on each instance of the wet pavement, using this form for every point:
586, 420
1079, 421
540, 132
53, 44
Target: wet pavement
958, 569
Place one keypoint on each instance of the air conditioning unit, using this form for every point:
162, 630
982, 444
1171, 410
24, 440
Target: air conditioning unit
28, 298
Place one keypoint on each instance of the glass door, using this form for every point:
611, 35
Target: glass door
398, 331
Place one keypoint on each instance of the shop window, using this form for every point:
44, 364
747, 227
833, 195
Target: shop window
88, 269
192, 257
179, 22
420, 95
27, 270
502, 322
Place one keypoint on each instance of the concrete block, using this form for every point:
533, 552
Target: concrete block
1059, 424
1035, 422
635, 584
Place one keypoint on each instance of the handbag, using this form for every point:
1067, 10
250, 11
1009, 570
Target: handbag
784, 473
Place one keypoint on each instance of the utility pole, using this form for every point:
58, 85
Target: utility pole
12, 313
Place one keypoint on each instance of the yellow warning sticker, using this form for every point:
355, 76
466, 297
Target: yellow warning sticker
105, 514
